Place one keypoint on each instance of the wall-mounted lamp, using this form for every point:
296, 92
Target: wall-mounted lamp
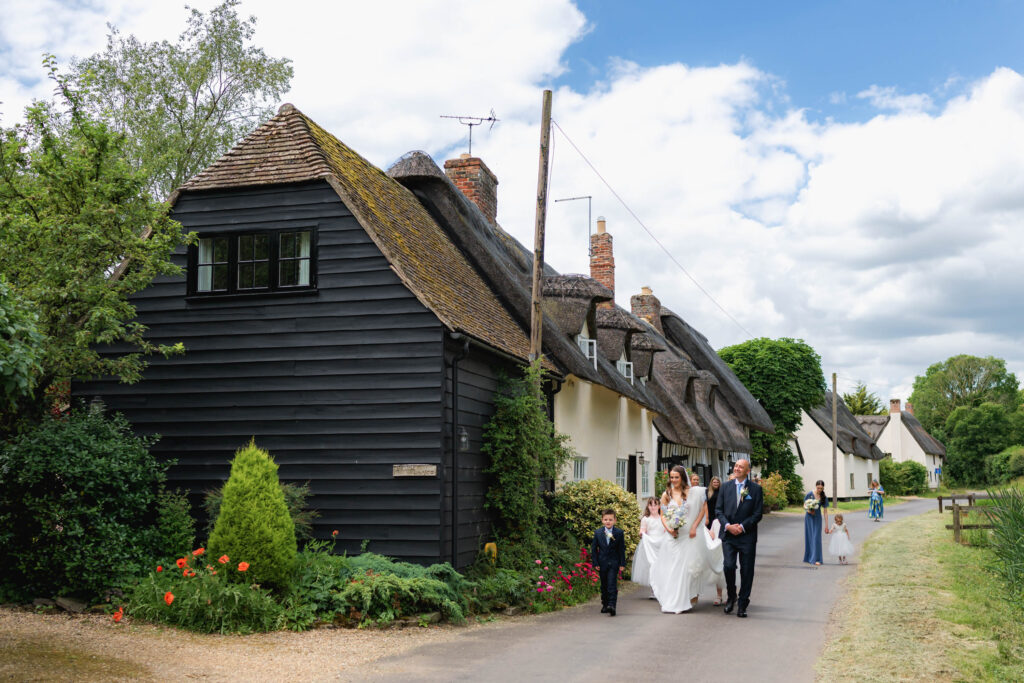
463, 439
640, 457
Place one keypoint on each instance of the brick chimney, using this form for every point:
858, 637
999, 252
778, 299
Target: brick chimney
894, 406
475, 180
909, 408
645, 305
602, 262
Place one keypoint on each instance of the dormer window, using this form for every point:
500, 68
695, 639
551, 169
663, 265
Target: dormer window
625, 368
253, 262
587, 345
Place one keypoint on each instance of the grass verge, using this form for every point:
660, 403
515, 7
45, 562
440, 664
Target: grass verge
850, 505
922, 608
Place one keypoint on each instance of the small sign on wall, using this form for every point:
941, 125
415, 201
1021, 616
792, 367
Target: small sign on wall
414, 470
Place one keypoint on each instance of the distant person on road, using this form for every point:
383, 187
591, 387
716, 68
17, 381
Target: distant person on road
608, 551
738, 509
840, 546
876, 508
815, 507
652, 535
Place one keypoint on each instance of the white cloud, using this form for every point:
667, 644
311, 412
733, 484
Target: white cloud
888, 244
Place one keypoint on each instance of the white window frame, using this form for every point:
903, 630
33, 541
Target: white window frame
588, 347
579, 469
625, 369
622, 472
645, 479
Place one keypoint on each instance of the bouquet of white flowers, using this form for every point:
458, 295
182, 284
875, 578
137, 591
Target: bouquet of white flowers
675, 517
811, 504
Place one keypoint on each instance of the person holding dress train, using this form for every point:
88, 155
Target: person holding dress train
652, 536
840, 546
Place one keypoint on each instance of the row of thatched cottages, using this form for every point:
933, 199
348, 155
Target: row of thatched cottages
355, 322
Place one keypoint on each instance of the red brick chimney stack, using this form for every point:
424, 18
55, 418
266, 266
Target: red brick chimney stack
647, 306
602, 262
909, 408
475, 180
894, 406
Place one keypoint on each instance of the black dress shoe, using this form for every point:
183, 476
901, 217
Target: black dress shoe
611, 611
742, 612
729, 605
604, 610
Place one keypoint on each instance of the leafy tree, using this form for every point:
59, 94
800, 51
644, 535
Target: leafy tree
961, 381
72, 210
864, 402
972, 435
21, 347
785, 376
182, 105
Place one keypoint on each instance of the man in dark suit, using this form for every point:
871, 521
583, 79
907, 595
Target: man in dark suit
608, 550
739, 509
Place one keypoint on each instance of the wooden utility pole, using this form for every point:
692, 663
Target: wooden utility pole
835, 444
536, 316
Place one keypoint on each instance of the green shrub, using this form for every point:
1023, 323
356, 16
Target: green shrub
295, 497
1007, 541
774, 489
77, 499
174, 533
794, 489
905, 478
1015, 468
207, 601
500, 589
382, 598
1006, 465
254, 521
660, 482
577, 506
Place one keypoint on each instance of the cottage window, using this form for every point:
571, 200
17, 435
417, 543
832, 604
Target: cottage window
579, 469
645, 479
621, 472
851, 481
625, 368
588, 347
254, 262
870, 479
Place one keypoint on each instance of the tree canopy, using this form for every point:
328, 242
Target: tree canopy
962, 381
864, 402
71, 210
184, 104
785, 376
974, 433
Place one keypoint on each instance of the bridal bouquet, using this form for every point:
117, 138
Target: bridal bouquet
675, 518
811, 504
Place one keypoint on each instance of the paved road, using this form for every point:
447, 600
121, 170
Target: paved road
780, 641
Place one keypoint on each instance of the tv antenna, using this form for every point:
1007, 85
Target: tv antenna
473, 121
590, 249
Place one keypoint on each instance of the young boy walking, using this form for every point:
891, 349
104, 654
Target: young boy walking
609, 552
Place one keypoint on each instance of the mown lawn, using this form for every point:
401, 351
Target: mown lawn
922, 608
851, 505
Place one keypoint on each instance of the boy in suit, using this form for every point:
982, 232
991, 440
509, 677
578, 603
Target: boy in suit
609, 552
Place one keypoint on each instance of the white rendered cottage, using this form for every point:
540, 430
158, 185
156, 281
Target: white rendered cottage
900, 436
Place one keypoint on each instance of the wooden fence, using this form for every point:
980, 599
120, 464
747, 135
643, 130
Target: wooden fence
969, 497
960, 513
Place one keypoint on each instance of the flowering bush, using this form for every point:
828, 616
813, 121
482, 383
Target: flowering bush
577, 506
774, 488
208, 597
556, 586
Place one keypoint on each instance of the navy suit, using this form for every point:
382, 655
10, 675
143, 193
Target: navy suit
747, 513
608, 556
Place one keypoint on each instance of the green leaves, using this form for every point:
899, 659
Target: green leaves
864, 402
21, 348
962, 381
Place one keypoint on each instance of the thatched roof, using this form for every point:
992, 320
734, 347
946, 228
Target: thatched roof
874, 425
507, 266
928, 443
569, 301
851, 437
291, 148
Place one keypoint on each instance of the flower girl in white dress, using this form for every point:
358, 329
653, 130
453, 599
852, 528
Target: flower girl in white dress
652, 536
840, 545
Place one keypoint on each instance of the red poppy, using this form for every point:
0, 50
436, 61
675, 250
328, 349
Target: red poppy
198, 552
168, 597
181, 562
242, 566
224, 559
190, 574
334, 533
159, 568
118, 615
185, 571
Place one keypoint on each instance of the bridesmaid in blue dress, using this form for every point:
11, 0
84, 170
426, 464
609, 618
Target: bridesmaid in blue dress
812, 524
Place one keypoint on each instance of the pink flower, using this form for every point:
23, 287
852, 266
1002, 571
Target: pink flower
537, 561
545, 568
549, 588
541, 576
540, 590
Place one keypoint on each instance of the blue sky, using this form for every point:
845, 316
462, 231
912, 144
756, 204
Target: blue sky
818, 49
848, 173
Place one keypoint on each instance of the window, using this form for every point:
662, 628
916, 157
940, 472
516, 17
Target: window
645, 479
621, 472
851, 481
579, 469
588, 347
625, 368
870, 479
273, 260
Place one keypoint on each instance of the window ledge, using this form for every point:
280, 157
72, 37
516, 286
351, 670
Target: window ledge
211, 298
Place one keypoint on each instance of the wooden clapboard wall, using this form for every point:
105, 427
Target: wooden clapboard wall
339, 386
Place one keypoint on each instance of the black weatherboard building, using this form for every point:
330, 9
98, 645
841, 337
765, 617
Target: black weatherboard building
325, 313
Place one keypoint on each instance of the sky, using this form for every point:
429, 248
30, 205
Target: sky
847, 173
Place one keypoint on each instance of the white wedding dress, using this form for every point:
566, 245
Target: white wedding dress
652, 538
685, 564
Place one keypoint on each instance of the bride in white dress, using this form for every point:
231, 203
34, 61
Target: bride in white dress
689, 556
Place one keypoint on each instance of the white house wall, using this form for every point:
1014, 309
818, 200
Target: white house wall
602, 427
897, 441
816, 447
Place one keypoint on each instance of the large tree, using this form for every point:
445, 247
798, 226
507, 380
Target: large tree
73, 214
184, 104
864, 402
959, 381
973, 433
785, 376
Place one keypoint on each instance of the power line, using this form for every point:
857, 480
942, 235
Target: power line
648, 231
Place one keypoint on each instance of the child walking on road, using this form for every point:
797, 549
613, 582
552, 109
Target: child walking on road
840, 546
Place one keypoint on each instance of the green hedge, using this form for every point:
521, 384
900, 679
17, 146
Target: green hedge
576, 509
905, 478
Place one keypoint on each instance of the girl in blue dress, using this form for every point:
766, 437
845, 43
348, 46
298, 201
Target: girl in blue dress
812, 522
876, 508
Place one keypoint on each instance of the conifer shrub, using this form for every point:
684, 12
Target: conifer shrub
296, 497
254, 523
